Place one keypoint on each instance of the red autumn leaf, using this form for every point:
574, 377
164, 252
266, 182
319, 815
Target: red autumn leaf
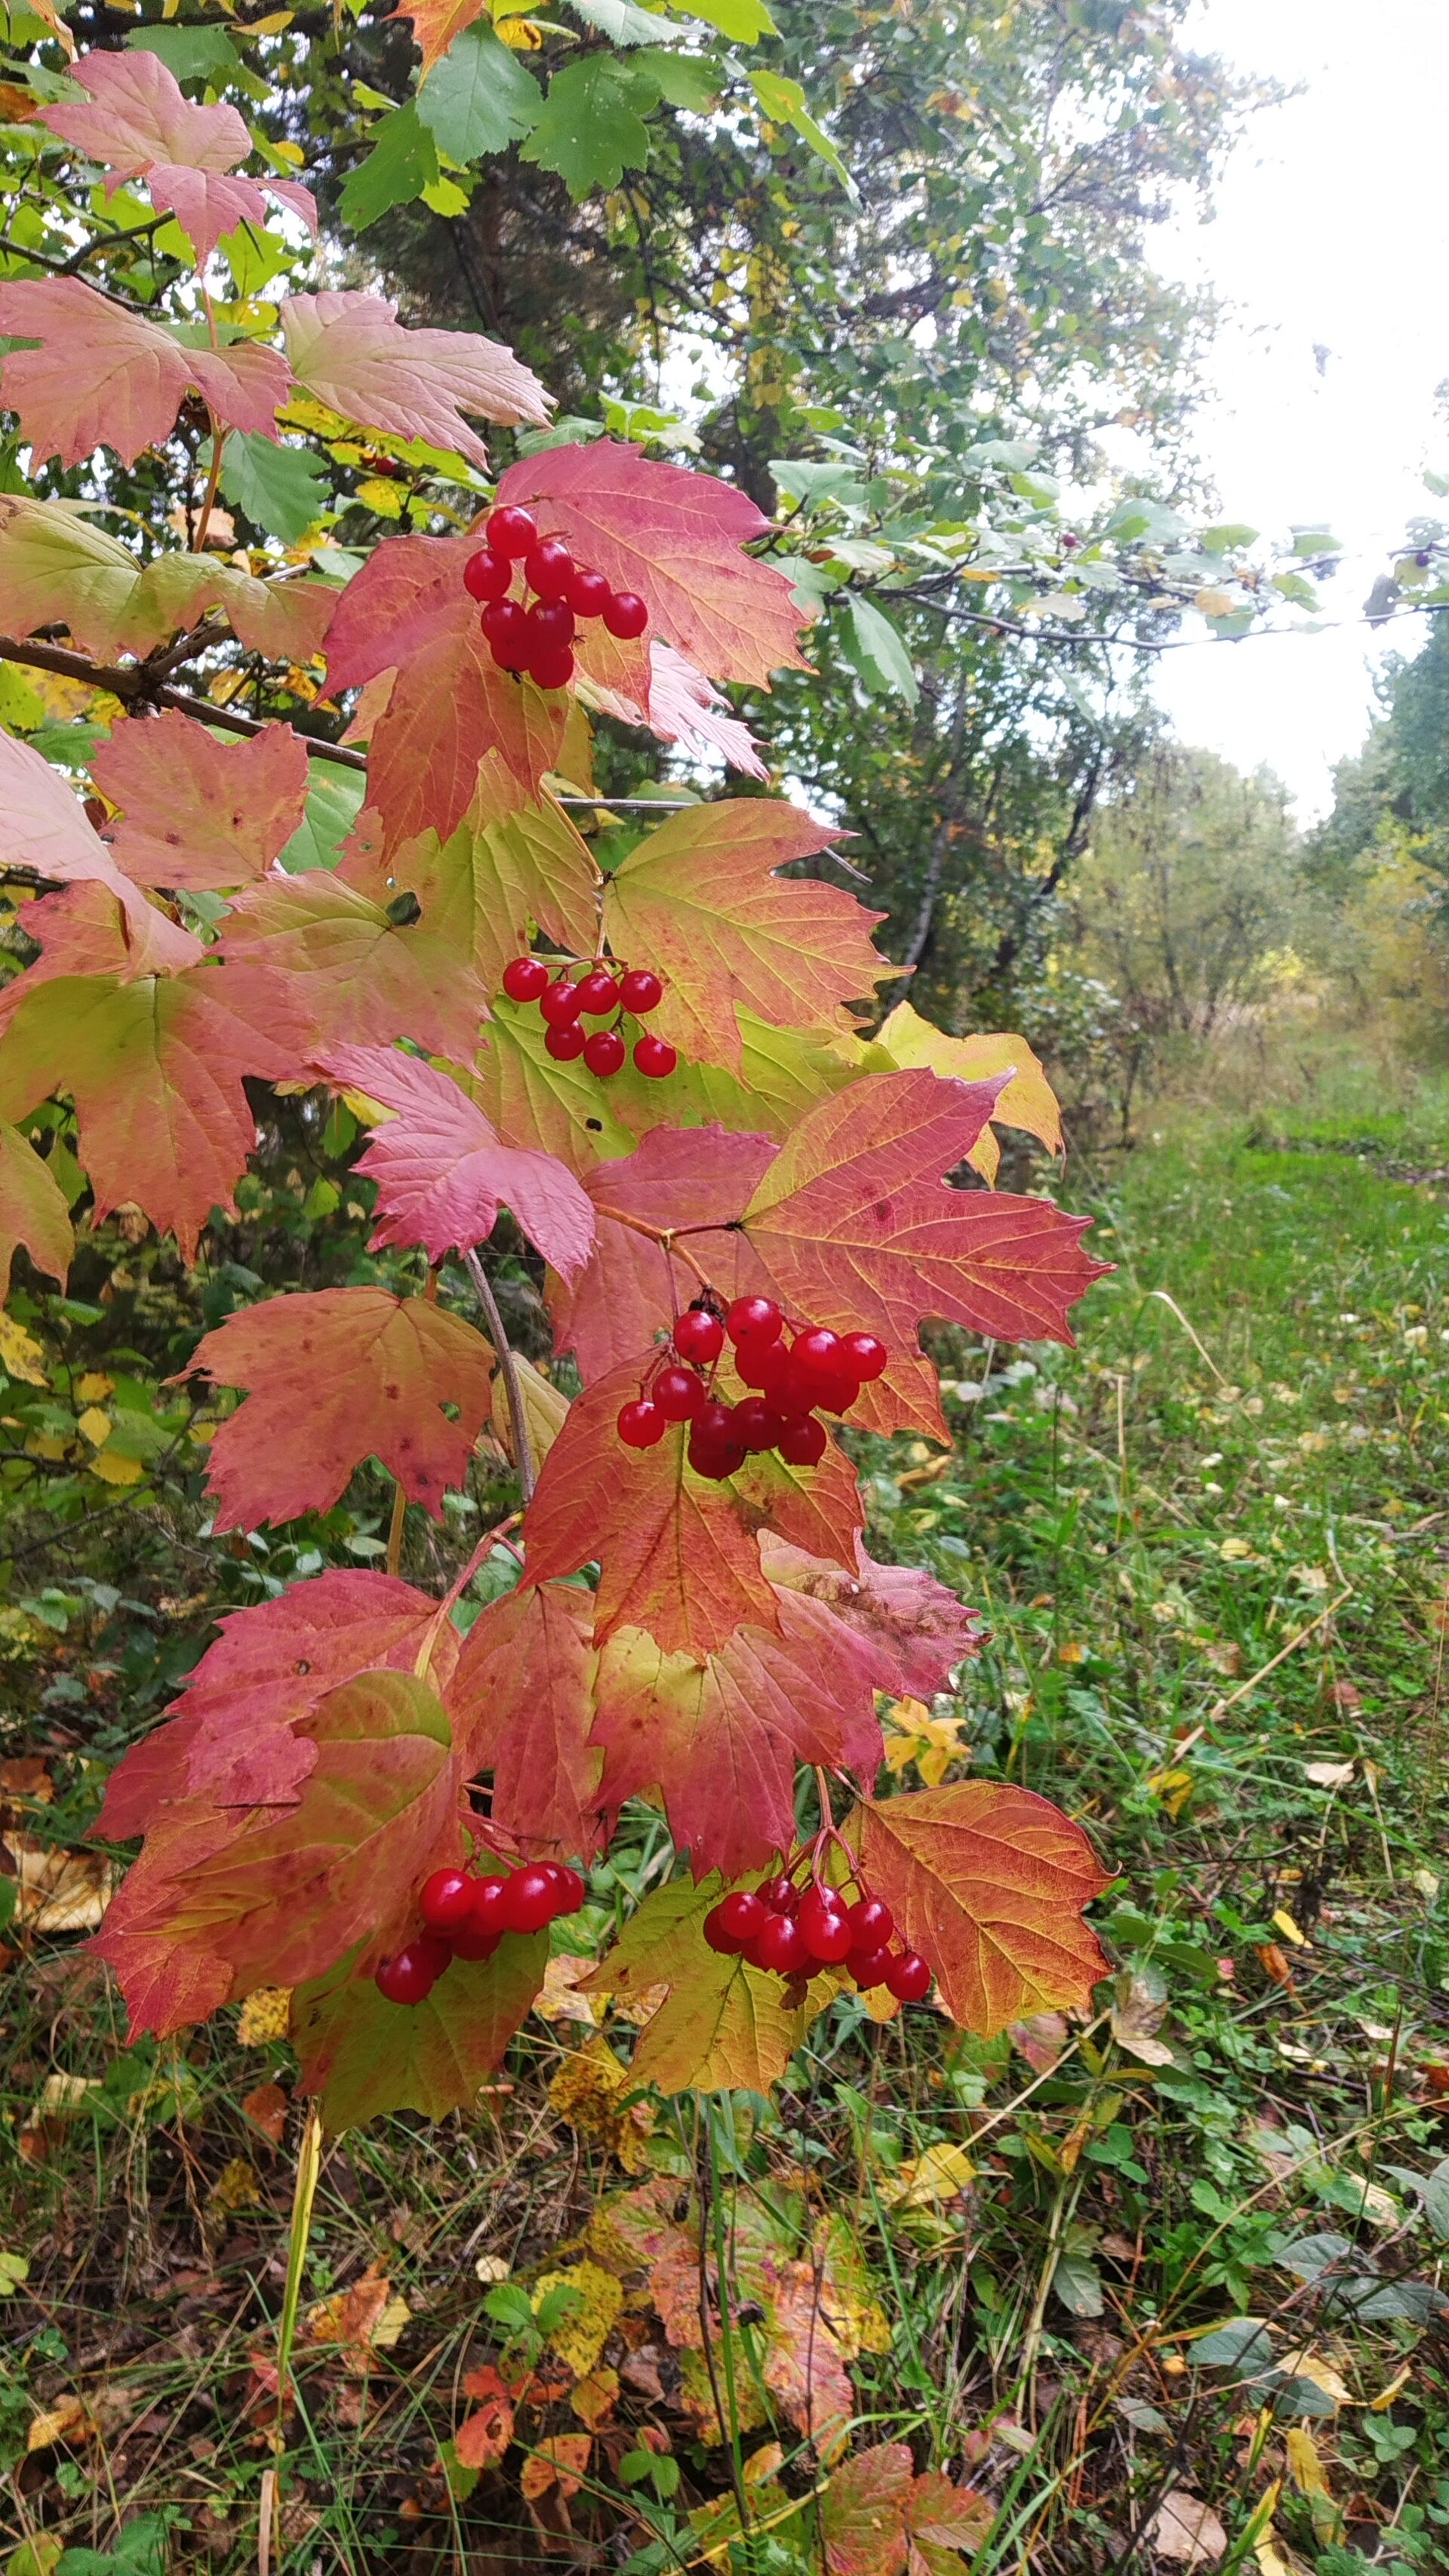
43, 826
197, 814
941, 2518
141, 125
686, 707
679, 1177
103, 376
435, 23
354, 974
525, 1686
485, 2433
351, 351
335, 1377
86, 929
366, 2057
988, 1882
701, 900
676, 538
862, 2512
33, 1211
895, 1626
442, 1172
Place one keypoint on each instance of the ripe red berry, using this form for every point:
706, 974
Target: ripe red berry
505, 632
641, 1425
756, 1424
525, 979
549, 568
871, 1924
759, 1318
863, 1355
679, 1394
699, 1336
572, 1892
641, 991
869, 1967
486, 575
734, 1921
588, 592
818, 1351
559, 1003
780, 1947
835, 1393
714, 1452
529, 1900
625, 614
605, 1053
598, 993
550, 623
445, 1900
757, 1362
780, 1894
551, 665
488, 1914
824, 1926
512, 532
655, 1057
565, 1043
411, 1974
803, 1441
909, 1978
471, 1944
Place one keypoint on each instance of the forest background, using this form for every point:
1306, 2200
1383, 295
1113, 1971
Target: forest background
1157, 2293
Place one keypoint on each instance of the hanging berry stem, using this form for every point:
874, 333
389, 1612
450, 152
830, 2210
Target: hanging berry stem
666, 1236
522, 1445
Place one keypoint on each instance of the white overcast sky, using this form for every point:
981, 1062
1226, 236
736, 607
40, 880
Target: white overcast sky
1332, 227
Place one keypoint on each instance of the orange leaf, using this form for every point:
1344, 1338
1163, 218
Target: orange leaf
561, 2461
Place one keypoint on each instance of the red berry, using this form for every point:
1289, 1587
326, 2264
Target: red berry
699, 1336
571, 1889
834, 1393
818, 1350
756, 1361
505, 632
550, 623
549, 569
780, 1947
625, 614
712, 1454
803, 1441
471, 1944
679, 1394
488, 1913
824, 1925
869, 1967
512, 532
734, 1921
641, 1425
566, 1043
525, 979
655, 1057
486, 575
863, 1355
445, 1899
529, 1900
756, 1424
598, 993
559, 1003
410, 1976
588, 592
871, 1924
551, 665
758, 1318
780, 1894
641, 991
605, 1053
909, 1978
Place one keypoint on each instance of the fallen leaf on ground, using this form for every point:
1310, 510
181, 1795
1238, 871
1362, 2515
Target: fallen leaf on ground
266, 2015
1139, 2009
59, 1891
926, 2180
68, 2420
235, 2187
589, 2091
1186, 2531
266, 2108
580, 2337
560, 2462
366, 2319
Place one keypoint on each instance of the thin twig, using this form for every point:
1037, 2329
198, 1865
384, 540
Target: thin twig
132, 680
213, 480
667, 1237
522, 1445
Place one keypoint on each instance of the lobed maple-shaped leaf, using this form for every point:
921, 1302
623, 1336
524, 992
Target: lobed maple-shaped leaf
195, 813
1027, 1100
877, 2518
353, 973
89, 928
353, 354
286, 620
33, 1211
686, 707
104, 376
527, 867
676, 538
524, 1684
988, 1882
334, 1377
701, 900
44, 827
366, 2057
722, 2025
898, 1629
141, 125
435, 23
58, 569
442, 1172
678, 1178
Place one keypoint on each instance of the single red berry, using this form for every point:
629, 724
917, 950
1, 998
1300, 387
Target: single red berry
512, 532
598, 993
833, 1393
505, 632
565, 1045
641, 1425
655, 1057
780, 1947
411, 1974
781, 1894
699, 1336
869, 1967
488, 1913
871, 1924
625, 614
757, 1362
734, 1921
559, 1003
756, 1424
759, 1318
804, 1441
712, 1453
525, 979
774, 1372
818, 1350
824, 1925
605, 1053
863, 1355
549, 568
679, 1394
550, 623
445, 1900
909, 1978
588, 592
471, 1944
529, 1900
486, 575
551, 665
641, 991
571, 1888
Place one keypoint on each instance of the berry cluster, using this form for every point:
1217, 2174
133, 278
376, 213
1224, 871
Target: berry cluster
794, 1380
565, 1000
540, 639
792, 1930
466, 1918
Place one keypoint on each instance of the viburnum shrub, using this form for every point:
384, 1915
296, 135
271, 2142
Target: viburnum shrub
351, 1799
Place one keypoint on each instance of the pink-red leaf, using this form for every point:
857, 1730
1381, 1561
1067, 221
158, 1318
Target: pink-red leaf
352, 972
196, 813
524, 1687
103, 376
90, 928
679, 1178
141, 125
685, 707
354, 355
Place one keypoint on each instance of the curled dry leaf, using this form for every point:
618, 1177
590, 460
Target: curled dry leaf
59, 1891
366, 2319
1187, 2532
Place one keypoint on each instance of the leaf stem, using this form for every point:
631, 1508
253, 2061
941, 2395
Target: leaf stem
667, 1238
395, 1531
522, 1445
213, 479
309, 2167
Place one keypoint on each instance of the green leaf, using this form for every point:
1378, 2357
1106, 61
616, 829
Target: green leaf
479, 98
592, 130
744, 21
1078, 2284
193, 53
255, 256
367, 2056
281, 489
877, 650
1435, 2188
334, 801
690, 81
403, 161
723, 2024
784, 103
1243, 2344
624, 24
